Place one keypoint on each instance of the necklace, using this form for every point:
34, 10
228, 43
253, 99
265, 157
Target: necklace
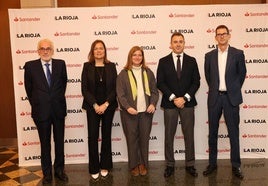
100, 71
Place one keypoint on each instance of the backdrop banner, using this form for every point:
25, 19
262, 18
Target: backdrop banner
74, 29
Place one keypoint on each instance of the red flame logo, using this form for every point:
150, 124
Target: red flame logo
246, 45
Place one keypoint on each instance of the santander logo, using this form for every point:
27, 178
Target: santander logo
254, 136
175, 15
255, 45
254, 106
246, 14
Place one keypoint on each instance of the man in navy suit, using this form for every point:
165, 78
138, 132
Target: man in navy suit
178, 79
225, 73
45, 84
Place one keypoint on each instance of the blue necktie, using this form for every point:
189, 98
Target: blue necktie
48, 74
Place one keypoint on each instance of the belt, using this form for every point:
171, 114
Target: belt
222, 92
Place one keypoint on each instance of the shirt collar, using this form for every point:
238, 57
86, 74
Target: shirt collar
175, 55
225, 51
44, 62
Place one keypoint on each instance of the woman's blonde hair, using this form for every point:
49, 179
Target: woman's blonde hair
128, 66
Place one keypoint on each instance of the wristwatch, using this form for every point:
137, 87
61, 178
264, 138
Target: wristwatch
185, 98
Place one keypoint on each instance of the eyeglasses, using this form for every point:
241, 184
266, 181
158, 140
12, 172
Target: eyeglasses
223, 34
45, 49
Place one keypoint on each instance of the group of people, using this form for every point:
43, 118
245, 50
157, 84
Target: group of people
135, 90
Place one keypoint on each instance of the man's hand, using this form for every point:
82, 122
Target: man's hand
179, 102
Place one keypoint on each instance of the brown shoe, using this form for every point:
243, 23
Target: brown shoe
143, 170
135, 171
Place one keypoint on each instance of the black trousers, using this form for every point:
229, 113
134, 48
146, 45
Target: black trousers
44, 132
232, 119
104, 161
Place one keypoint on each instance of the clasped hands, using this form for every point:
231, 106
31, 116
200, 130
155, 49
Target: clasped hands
179, 102
100, 109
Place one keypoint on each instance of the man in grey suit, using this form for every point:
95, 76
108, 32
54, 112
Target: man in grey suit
45, 84
178, 79
225, 73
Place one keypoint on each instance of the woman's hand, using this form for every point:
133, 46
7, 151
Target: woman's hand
151, 109
132, 111
100, 109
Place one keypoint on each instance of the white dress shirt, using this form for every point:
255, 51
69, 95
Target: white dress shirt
222, 60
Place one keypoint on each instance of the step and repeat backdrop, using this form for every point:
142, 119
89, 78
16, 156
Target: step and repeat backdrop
74, 29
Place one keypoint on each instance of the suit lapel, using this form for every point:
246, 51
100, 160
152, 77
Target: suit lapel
216, 65
229, 57
54, 71
40, 70
185, 63
171, 65
91, 74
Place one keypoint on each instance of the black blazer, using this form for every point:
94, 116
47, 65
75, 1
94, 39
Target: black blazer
235, 74
88, 85
168, 82
46, 100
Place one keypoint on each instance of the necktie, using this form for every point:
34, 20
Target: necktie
179, 66
48, 73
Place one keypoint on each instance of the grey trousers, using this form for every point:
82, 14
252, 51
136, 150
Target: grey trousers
187, 118
137, 129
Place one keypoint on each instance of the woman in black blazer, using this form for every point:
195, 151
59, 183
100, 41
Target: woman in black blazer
98, 89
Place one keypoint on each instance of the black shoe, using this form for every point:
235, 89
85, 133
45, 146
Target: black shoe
210, 169
168, 171
47, 179
62, 176
237, 172
191, 170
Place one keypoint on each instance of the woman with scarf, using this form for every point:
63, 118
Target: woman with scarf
137, 96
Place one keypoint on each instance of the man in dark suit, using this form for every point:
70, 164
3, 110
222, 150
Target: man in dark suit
225, 73
45, 84
178, 79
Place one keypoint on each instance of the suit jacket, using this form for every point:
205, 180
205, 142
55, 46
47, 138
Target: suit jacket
168, 82
124, 91
88, 85
234, 75
46, 100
